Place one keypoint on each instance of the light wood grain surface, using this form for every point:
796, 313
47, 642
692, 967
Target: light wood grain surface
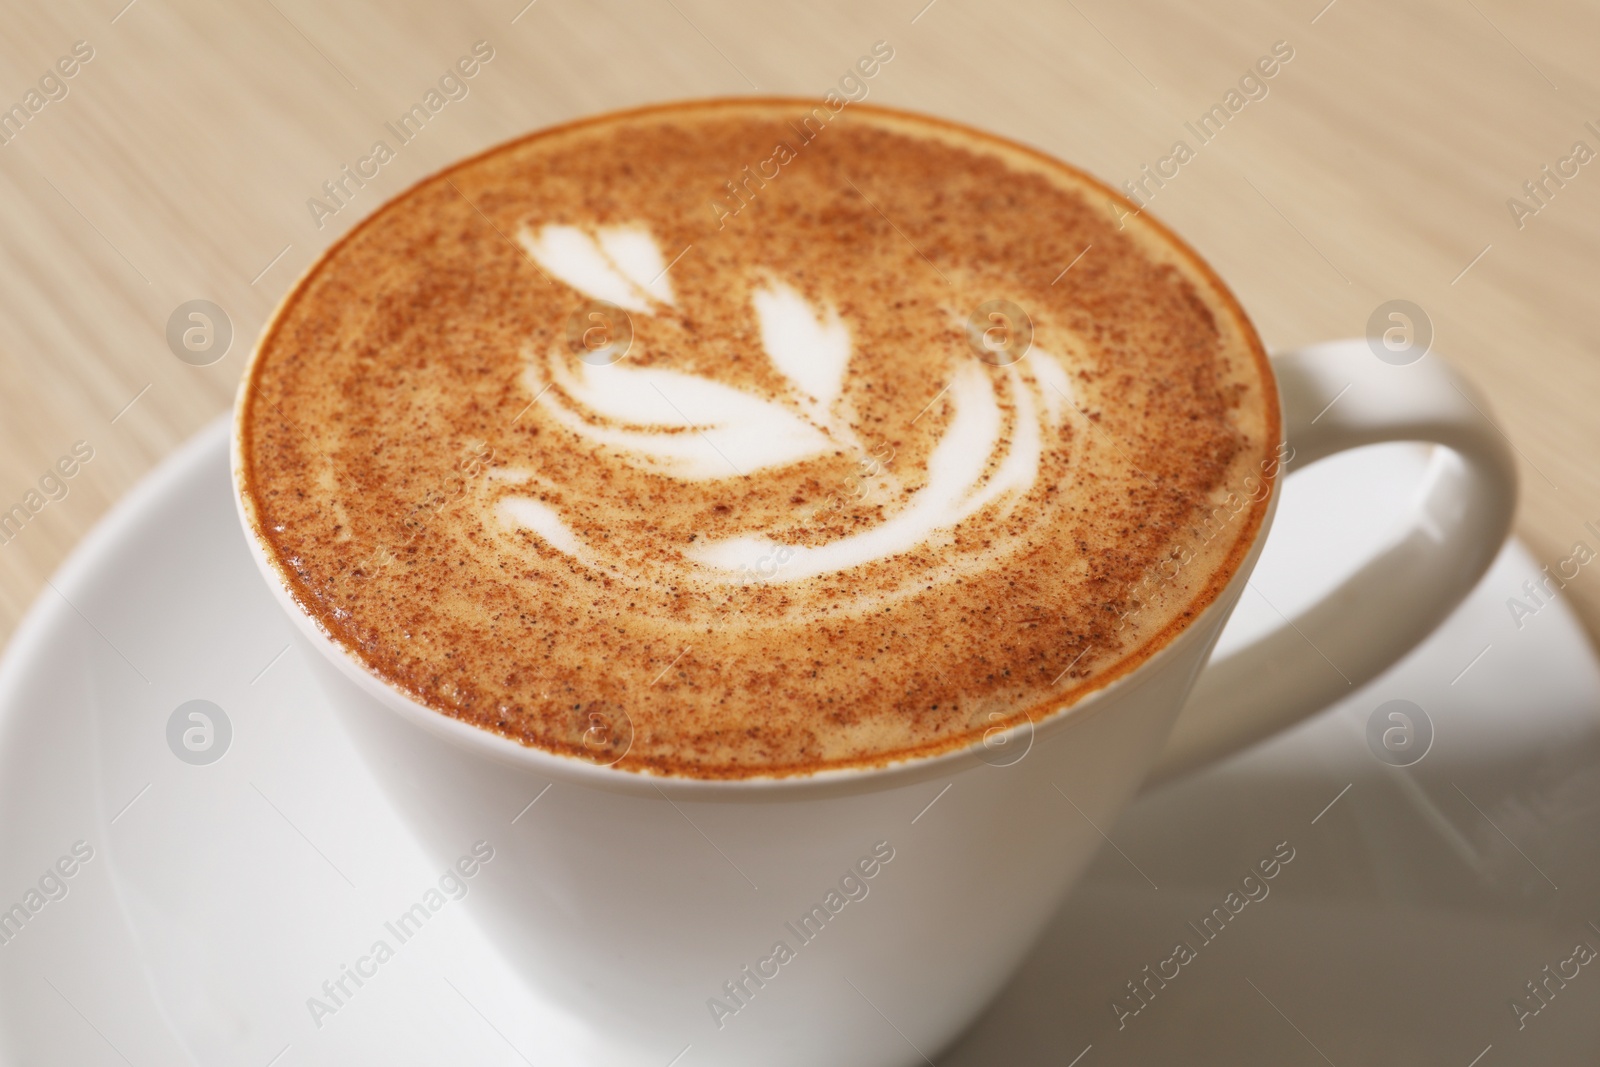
1378, 166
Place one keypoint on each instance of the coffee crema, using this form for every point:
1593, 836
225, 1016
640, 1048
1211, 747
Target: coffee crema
743, 438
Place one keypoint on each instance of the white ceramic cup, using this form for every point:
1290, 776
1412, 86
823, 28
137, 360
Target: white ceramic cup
652, 909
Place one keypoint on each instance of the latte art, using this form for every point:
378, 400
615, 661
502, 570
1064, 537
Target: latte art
694, 429
853, 481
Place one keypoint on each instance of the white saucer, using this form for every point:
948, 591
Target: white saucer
219, 897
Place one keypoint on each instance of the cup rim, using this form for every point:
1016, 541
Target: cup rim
855, 777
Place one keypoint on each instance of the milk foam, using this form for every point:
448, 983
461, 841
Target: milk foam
734, 433
698, 430
956, 489
812, 351
618, 264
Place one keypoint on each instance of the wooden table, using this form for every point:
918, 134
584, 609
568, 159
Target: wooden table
1378, 165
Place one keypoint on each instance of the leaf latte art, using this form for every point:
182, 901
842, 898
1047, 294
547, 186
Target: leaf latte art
555, 450
695, 429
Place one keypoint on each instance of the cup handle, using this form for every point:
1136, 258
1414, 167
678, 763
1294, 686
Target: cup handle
1335, 397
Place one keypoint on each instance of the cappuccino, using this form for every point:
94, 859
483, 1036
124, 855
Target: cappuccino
925, 445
